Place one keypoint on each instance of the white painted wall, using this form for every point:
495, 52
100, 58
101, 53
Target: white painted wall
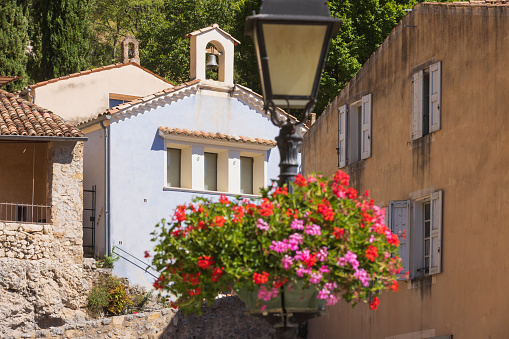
138, 200
83, 97
93, 174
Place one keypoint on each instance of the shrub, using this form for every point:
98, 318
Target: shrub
108, 296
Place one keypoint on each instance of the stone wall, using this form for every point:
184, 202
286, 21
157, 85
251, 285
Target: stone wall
225, 319
43, 282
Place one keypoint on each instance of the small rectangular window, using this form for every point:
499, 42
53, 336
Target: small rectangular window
246, 175
173, 167
210, 171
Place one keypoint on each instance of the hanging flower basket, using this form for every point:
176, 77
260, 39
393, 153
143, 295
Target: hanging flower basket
297, 298
317, 244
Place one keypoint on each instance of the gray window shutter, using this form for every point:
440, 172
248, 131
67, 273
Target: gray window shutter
434, 96
399, 220
417, 82
436, 233
342, 136
366, 126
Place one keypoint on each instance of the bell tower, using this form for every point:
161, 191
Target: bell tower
223, 48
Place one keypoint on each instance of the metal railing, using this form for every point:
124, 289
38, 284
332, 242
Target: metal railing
25, 213
141, 262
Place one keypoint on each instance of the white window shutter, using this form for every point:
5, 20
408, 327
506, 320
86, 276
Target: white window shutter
366, 126
399, 220
417, 82
435, 85
342, 136
436, 233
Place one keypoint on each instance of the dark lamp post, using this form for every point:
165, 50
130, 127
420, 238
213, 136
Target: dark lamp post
291, 39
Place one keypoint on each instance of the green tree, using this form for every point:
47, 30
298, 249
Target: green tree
60, 37
112, 20
366, 24
13, 42
163, 46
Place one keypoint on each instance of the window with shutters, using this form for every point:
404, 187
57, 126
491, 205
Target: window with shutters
426, 95
354, 131
421, 222
222, 167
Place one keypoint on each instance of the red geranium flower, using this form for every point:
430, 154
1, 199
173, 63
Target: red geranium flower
205, 262
180, 213
338, 232
223, 199
219, 221
300, 180
260, 278
374, 304
372, 253
266, 208
217, 273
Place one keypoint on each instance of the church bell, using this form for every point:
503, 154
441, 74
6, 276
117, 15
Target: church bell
212, 59
212, 62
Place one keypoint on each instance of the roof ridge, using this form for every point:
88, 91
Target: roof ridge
211, 27
94, 70
216, 136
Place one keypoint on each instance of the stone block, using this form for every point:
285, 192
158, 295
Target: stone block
41, 334
31, 228
11, 227
117, 320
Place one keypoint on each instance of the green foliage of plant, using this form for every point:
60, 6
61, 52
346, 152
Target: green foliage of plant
140, 300
97, 300
118, 300
13, 42
321, 233
108, 261
60, 36
108, 296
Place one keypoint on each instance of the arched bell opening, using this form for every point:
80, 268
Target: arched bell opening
214, 61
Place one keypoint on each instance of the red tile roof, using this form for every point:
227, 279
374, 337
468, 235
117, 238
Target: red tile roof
20, 117
469, 3
216, 136
94, 70
5, 79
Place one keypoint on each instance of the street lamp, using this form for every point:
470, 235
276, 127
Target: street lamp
291, 39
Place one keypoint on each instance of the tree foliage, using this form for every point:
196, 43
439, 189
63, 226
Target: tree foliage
113, 20
366, 23
60, 37
13, 42
72, 35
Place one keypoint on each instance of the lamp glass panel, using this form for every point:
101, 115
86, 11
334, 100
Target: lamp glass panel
294, 53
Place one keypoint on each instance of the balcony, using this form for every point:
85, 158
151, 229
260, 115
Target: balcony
25, 213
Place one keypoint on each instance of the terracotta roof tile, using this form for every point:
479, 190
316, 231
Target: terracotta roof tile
469, 3
20, 117
217, 136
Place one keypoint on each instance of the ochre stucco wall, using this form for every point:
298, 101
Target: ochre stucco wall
467, 159
85, 96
